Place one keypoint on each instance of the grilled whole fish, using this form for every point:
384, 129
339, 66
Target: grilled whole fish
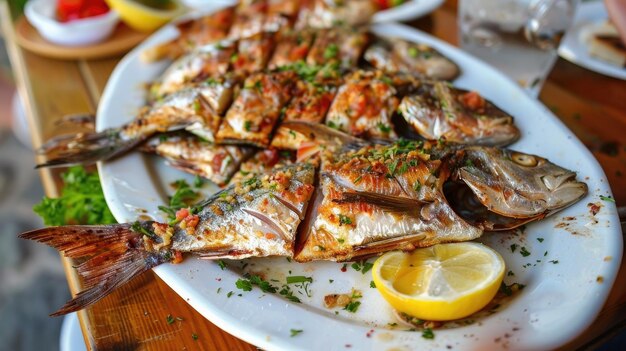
367, 199
361, 103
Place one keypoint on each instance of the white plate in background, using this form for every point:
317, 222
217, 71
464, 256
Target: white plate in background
558, 303
574, 48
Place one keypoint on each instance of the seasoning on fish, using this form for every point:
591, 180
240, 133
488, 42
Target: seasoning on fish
190, 154
364, 106
209, 61
256, 110
252, 53
193, 33
249, 18
309, 103
291, 47
327, 14
342, 45
264, 161
442, 111
397, 55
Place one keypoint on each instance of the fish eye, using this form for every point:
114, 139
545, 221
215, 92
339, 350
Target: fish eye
524, 160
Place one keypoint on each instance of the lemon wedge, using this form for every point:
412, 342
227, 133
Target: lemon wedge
143, 17
441, 282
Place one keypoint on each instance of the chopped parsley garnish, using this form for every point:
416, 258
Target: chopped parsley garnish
607, 198
81, 201
554, 261
169, 319
510, 273
288, 294
332, 124
183, 197
198, 182
413, 52
513, 247
540, 240
357, 180
138, 228
230, 293
194, 336
196, 106
353, 306
222, 264
243, 284
509, 289
524, 252
427, 333
362, 266
331, 51
372, 285
299, 279
417, 185
385, 128
247, 125
341, 240
295, 332
344, 220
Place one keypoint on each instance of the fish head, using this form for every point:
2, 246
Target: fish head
518, 185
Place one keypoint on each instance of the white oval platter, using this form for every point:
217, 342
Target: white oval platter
558, 303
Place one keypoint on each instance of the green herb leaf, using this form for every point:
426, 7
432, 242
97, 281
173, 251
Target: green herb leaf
243, 284
427, 333
299, 279
607, 198
353, 306
222, 264
344, 220
524, 252
295, 332
81, 201
331, 51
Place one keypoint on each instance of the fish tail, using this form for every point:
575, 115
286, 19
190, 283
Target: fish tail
85, 148
109, 256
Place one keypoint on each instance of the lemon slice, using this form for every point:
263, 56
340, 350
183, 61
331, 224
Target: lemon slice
145, 18
441, 282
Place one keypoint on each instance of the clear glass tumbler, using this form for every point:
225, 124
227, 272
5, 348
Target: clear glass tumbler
518, 37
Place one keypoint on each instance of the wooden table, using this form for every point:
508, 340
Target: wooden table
134, 317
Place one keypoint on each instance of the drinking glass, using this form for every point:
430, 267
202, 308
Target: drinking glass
518, 37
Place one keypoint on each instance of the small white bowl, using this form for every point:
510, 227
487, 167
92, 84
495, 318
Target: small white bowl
42, 15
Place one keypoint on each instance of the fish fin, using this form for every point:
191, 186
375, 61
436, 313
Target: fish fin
325, 134
405, 243
386, 202
113, 255
86, 120
85, 148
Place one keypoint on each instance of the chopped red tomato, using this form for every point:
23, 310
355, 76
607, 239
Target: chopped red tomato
68, 10
385, 4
